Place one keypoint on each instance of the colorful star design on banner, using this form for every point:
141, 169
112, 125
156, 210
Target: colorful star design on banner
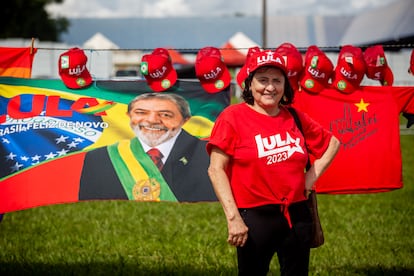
362, 106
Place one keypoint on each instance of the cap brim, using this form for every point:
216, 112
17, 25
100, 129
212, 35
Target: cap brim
217, 85
160, 85
311, 85
343, 86
294, 82
77, 82
241, 76
383, 74
388, 77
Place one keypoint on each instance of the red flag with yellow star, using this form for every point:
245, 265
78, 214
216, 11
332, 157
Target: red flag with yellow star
367, 124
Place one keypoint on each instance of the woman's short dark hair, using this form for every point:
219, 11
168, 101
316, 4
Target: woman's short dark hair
248, 96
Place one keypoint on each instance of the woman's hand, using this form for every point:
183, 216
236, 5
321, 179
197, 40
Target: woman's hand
217, 172
237, 232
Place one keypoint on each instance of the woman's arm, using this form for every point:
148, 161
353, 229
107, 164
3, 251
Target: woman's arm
237, 229
320, 165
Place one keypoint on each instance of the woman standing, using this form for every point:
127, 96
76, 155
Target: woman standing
257, 161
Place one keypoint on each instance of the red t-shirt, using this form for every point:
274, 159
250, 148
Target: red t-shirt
268, 153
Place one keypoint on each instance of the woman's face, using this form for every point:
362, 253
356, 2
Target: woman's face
268, 87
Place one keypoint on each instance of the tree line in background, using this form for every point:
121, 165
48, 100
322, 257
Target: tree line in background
27, 19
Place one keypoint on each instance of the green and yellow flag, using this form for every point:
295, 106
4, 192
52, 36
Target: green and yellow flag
46, 129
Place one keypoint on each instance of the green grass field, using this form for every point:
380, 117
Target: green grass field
369, 234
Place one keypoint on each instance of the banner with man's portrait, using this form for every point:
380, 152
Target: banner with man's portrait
50, 133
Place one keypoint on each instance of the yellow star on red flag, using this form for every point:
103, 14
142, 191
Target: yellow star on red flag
362, 106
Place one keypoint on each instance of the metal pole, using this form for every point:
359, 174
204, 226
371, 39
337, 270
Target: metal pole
264, 27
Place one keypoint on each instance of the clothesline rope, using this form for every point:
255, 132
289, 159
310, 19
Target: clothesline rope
195, 50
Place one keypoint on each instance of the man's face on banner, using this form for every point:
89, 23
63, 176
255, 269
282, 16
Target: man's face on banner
155, 120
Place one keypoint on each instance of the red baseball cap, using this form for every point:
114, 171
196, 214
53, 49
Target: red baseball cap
317, 71
377, 66
158, 70
350, 69
212, 72
242, 74
265, 58
411, 69
294, 62
73, 70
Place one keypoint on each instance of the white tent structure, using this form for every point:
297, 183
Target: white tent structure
234, 51
242, 41
109, 60
99, 41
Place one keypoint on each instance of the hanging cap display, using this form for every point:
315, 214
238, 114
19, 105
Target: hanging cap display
242, 74
377, 66
294, 62
158, 70
317, 71
73, 70
211, 70
350, 69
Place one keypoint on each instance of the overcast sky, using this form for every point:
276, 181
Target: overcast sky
187, 8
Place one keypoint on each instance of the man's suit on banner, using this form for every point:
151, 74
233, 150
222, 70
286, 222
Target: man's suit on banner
185, 172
